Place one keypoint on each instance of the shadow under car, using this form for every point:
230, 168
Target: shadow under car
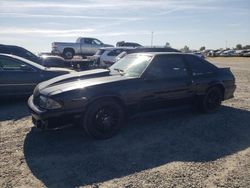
67, 158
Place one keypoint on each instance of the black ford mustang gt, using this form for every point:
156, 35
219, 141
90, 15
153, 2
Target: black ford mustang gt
100, 99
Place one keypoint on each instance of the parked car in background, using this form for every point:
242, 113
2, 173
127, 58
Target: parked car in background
213, 53
206, 52
199, 54
241, 52
83, 46
227, 53
47, 61
144, 49
247, 54
19, 76
100, 99
218, 53
121, 55
54, 61
105, 57
128, 44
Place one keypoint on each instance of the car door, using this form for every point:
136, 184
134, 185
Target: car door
166, 82
96, 44
17, 77
86, 46
89, 46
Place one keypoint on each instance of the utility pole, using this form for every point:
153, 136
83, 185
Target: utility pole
152, 38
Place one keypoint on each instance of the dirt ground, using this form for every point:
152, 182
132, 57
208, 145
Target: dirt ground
161, 149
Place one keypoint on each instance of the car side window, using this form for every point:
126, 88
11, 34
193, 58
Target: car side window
164, 67
199, 66
24, 53
88, 41
8, 64
96, 42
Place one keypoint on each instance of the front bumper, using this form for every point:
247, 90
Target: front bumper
55, 51
49, 119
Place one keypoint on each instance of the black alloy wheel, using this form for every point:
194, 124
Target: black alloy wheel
103, 119
106, 118
212, 100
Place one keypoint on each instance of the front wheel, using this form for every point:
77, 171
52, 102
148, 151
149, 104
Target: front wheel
103, 119
212, 100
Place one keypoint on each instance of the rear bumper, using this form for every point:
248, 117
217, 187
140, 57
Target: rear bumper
47, 119
229, 92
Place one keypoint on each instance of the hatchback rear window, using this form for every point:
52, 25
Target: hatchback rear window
200, 66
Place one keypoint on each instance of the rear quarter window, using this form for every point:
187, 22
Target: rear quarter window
200, 66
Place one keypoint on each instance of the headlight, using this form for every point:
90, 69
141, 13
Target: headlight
48, 103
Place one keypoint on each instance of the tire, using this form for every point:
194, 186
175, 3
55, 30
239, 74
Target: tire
103, 119
68, 53
212, 100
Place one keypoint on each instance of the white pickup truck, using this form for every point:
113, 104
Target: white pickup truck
83, 46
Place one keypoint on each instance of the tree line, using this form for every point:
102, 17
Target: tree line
237, 47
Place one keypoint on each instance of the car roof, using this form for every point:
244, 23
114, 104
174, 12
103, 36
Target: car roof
162, 53
24, 60
11, 46
116, 48
152, 49
133, 44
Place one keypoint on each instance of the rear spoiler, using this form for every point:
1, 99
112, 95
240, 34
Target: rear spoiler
225, 69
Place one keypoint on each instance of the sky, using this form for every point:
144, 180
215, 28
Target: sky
195, 23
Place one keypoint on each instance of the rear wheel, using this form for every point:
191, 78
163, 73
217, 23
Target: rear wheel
103, 119
68, 53
212, 100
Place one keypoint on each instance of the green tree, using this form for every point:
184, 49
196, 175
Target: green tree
238, 47
246, 47
185, 48
202, 48
167, 45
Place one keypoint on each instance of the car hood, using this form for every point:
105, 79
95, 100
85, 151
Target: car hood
70, 82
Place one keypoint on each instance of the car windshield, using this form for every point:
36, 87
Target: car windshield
132, 65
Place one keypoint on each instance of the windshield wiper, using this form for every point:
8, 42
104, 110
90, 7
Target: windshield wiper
119, 70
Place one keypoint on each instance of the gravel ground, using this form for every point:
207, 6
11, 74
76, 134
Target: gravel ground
161, 149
